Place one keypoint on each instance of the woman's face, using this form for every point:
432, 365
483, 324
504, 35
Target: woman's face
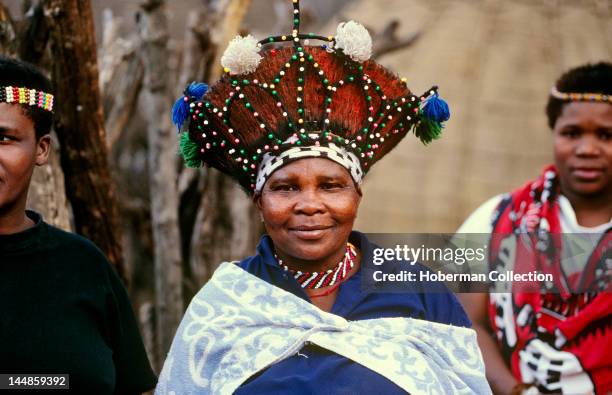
308, 208
20, 152
583, 149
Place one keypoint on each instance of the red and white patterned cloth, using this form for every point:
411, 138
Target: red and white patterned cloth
559, 337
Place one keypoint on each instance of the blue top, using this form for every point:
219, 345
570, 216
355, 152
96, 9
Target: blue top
315, 370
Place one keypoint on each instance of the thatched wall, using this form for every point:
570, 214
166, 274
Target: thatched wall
494, 61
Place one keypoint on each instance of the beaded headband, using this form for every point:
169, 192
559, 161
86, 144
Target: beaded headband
270, 163
328, 100
574, 96
31, 97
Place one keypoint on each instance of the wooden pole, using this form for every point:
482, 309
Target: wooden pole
79, 125
163, 149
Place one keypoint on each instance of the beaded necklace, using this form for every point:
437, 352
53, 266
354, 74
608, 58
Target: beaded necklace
315, 280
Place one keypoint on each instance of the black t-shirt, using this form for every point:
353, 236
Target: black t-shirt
64, 310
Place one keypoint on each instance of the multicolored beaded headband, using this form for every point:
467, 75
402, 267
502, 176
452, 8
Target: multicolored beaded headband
573, 96
271, 100
31, 97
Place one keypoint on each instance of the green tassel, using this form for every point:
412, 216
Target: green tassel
190, 151
427, 130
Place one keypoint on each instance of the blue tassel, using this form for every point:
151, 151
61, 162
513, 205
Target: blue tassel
180, 110
436, 109
196, 90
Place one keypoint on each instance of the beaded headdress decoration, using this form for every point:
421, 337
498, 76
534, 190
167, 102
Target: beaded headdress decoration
578, 96
26, 96
278, 103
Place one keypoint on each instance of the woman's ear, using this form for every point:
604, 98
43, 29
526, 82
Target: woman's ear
358, 189
259, 204
43, 146
359, 195
256, 198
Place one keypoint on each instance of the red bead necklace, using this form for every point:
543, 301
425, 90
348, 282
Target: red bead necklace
315, 280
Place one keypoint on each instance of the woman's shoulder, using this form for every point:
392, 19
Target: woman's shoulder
68, 242
480, 220
445, 308
73, 245
431, 301
439, 302
76, 253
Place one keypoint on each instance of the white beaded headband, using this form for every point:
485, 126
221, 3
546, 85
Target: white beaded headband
270, 163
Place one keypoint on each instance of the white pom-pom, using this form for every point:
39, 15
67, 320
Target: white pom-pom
354, 40
241, 56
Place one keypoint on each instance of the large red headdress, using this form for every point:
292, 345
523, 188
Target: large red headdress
278, 104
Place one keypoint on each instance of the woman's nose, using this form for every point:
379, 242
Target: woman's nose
588, 146
309, 202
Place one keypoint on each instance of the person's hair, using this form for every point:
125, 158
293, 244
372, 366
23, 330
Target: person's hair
589, 78
18, 73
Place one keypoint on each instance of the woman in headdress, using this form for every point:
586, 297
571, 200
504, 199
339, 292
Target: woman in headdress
556, 336
298, 126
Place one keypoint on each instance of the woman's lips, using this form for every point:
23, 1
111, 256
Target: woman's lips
310, 232
587, 173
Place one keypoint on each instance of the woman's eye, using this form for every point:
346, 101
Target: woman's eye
283, 187
570, 133
331, 185
605, 135
4, 138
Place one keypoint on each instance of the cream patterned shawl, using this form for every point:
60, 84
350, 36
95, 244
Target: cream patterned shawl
238, 325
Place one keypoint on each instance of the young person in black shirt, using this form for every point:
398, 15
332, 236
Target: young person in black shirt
63, 308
